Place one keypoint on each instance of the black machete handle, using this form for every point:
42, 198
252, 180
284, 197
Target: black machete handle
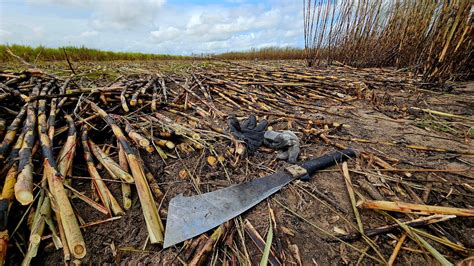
327, 160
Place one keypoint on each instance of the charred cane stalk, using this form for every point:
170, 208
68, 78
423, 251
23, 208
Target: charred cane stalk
11, 132
24, 183
8, 194
69, 230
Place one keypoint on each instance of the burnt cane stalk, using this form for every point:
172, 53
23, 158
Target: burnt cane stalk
68, 226
24, 183
11, 132
38, 224
7, 196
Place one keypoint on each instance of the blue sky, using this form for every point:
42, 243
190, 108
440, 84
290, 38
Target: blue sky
153, 26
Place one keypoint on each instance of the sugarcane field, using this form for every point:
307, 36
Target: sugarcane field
351, 146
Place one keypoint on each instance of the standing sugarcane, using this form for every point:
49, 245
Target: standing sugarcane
24, 183
150, 212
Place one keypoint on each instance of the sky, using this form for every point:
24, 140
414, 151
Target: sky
153, 26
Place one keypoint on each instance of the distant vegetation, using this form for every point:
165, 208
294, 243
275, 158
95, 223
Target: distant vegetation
268, 53
41, 53
31, 54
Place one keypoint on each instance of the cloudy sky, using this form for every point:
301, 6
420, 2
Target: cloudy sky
153, 26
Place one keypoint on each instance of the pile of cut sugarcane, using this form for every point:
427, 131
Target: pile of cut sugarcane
55, 130
45, 112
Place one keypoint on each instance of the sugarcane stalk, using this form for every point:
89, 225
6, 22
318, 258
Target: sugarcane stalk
71, 236
37, 229
134, 99
62, 90
46, 213
3, 246
87, 200
7, 196
14, 92
138, 138
152, 183
420, 209
104, 194
154, 98
24, 183
123, 101
2, 126
66, 154
46, 132
260, 243
126, 188
110, 165
201, 254
165, 143
150, 212
12, 132
52, 119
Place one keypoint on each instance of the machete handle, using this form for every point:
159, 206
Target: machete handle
327, 160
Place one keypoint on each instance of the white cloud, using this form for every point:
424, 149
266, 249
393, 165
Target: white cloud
117, 14
154, 26
165, 34
220, 29
87, 34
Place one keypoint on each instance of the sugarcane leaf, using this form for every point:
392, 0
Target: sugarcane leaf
268, 245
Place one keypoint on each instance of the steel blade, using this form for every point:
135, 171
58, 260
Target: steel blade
191, 216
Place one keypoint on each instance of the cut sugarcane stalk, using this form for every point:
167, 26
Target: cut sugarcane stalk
69, 230
165, 143
37, 229
126, 189
414, 208
8, 194
110, 165
104, 194
46, 213
11, 132
24, 183
87, 200
150, 212
123, 100
68, 150
139, 139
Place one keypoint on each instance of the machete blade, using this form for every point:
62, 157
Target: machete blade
192, 216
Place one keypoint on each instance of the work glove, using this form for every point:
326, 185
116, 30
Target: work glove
248, 131
286, 142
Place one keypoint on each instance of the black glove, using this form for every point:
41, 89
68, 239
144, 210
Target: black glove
248, 131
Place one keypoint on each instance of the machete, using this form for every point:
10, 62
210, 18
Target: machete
192, 216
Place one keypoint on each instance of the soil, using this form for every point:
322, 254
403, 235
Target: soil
385, 117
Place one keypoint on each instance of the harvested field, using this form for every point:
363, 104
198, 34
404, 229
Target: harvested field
414, 143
